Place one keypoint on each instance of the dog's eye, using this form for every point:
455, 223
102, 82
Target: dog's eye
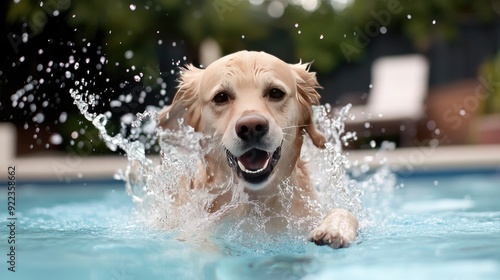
276, 94
221, 98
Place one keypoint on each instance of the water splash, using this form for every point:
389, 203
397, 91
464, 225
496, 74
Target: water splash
165, 193
329, 166
160, 185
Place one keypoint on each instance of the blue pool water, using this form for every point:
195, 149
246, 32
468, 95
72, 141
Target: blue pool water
435, 227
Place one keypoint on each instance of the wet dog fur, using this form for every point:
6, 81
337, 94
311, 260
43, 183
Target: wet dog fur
258, 109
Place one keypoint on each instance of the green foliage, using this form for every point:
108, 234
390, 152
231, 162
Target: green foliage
327, 36
490, 72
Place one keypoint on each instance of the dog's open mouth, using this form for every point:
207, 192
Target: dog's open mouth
255, 165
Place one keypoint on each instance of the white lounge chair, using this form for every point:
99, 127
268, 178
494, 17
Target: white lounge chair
397, 95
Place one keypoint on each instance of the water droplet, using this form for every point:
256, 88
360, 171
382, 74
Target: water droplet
434, 143
115, 103
436, 182
77, 65
137, 78
321, 37
39, 118
431, 125
132, 7
55, 139
367, 125
408, 16
63, 117
383, 30
370, 86
242, 36
373, 144
434, 22
462, 112
296, 25
129, 54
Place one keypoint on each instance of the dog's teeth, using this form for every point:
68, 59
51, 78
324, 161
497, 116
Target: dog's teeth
242, 167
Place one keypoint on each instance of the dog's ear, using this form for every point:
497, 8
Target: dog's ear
308, 96
184, 105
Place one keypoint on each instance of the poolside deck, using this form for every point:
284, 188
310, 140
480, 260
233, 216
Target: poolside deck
66, 168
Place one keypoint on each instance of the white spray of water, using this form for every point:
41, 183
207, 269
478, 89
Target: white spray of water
160, 187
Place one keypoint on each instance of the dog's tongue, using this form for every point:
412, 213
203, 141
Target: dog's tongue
254, 159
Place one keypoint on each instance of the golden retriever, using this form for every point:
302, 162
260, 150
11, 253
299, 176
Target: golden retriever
259, 109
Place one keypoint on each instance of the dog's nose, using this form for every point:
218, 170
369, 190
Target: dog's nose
251, 127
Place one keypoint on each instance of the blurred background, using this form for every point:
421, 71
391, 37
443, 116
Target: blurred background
129, 52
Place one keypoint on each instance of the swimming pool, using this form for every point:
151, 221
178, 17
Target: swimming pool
435, 227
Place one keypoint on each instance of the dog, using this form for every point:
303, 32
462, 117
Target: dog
258, 110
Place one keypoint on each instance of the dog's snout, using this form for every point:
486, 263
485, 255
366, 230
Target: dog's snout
251, 127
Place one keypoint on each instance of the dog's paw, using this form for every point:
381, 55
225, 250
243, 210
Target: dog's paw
337, 230
331, 237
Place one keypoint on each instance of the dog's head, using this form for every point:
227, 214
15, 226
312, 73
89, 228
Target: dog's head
257, 106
